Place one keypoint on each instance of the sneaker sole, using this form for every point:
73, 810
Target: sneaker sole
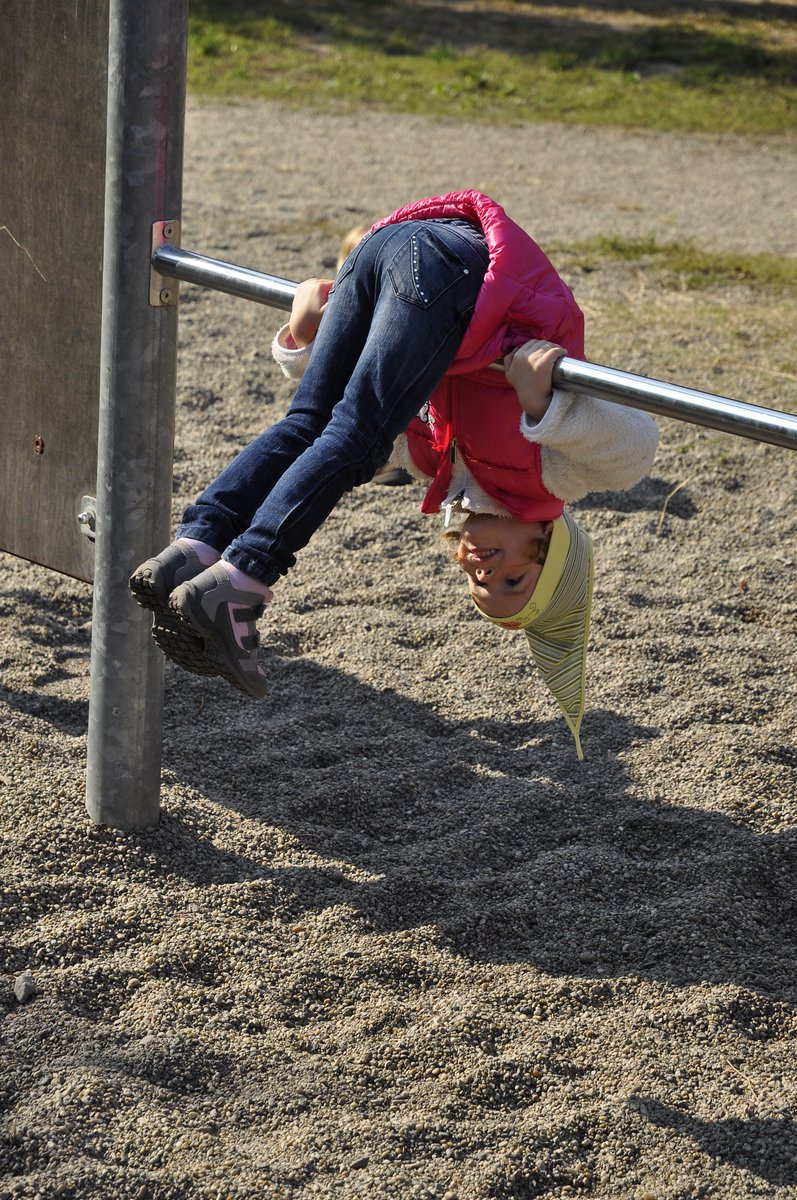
176, 640
142, 585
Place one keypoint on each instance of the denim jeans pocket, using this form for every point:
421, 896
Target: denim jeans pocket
428, 263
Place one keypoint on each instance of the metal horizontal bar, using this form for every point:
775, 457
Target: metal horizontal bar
224, 277
684, 404
635, 391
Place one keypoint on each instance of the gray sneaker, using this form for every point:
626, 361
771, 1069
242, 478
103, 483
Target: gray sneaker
208, 606
152, 583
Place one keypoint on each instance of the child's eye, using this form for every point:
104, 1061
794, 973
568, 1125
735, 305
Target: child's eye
515, 582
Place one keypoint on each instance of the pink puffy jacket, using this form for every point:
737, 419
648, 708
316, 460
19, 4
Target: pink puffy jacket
474, 412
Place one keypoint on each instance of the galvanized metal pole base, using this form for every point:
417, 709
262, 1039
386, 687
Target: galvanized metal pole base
146, 102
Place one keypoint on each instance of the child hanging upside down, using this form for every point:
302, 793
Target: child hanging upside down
396, 358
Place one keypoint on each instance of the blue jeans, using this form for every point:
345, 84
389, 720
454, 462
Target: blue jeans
394, 320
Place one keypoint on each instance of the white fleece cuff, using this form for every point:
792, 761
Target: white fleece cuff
291, 359
541, 431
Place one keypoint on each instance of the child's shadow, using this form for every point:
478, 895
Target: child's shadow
491, 833
488, 832
649, 495
766, 1146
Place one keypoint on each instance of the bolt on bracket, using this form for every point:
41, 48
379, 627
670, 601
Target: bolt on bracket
163, 291
87, 517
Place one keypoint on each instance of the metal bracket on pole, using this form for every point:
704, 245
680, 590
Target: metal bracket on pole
162, 290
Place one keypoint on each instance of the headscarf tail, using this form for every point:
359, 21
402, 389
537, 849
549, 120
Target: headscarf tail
555, 620
560, 650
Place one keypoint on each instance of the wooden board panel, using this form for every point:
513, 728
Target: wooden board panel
53, 79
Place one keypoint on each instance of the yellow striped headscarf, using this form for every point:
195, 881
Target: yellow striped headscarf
556, 619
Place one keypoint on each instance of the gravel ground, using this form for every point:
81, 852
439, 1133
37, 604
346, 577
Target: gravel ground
390, 939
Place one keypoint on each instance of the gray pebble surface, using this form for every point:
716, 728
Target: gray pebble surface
390, 939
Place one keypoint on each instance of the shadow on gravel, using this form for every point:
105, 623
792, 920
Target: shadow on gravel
488, 832
766, 1146
491, 833
68, 716
651, 495
59, 636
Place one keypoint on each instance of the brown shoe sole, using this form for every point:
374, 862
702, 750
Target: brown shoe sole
176, 639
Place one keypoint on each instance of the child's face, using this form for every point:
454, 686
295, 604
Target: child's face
503, 559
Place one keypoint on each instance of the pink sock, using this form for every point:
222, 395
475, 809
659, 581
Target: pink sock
205, 553
246, 583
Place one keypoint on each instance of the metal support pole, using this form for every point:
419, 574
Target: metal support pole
146, 112
590, 379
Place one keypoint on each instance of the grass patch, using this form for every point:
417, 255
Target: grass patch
506, 60
687, 266
730, 337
